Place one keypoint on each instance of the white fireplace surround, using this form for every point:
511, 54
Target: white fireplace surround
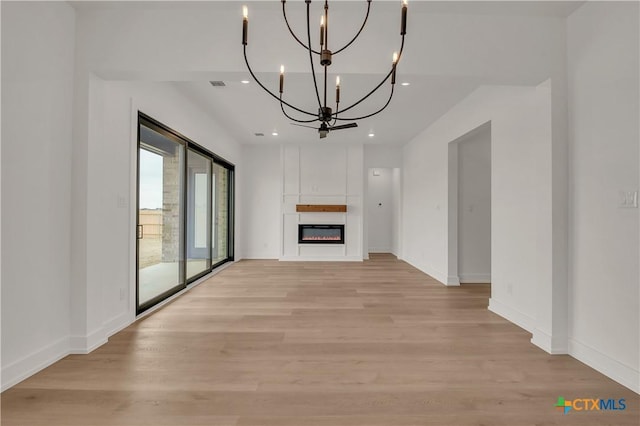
322, 174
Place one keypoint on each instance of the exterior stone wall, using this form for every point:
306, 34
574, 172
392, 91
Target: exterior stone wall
172, 205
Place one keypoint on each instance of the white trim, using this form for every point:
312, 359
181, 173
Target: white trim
512, 315
260, 255
133, 209
116, 324
320, 259
547, 343
380, 250
475, 278
621, 373
453, 281
29, 365
438, 276
82, 345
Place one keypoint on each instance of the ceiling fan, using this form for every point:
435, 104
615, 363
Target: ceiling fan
324, 128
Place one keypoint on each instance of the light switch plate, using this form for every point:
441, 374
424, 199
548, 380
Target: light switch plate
628, 199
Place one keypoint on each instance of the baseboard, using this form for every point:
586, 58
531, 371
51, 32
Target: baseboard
512, 315
380, 250
615, 370
260, 256
453, 280
475, 278
442, 278
118, 323
83, 345
29, 365
547, 343
320, 259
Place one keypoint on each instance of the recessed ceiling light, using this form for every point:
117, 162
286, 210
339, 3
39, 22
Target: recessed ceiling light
274, 134
371, 134
244, 81
406, 83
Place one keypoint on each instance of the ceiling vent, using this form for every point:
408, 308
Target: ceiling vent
259, 134
217, 83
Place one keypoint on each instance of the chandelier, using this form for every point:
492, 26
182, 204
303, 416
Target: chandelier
326, 116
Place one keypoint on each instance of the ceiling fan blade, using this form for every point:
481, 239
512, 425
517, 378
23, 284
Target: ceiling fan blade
302, 125
344, 126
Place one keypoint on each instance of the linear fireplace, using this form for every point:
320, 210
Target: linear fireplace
320, 234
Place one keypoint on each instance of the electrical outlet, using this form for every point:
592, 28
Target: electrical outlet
121, 202
628, 199
510, 289
123, 293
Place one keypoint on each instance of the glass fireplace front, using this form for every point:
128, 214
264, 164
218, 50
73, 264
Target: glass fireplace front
321, 234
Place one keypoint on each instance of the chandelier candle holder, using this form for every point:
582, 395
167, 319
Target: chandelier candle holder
326, 116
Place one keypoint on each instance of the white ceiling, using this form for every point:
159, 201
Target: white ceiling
451, 49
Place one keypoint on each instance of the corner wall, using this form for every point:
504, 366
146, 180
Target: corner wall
261, 219
604, 305
520, 128
38, 41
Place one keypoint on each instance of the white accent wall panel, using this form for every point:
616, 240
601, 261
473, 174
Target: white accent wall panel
322, 174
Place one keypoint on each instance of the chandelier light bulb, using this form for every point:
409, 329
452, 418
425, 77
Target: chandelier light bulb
338, 81
245, 24
281, 78
393, 70
403, 21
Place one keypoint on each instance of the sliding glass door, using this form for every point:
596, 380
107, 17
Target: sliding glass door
198, 214
185, 212
160, 214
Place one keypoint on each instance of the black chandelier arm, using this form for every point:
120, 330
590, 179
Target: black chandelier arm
373, 113
284, 14
378, 86
313, 71
364, 23
246, 60
283, 103
335, 119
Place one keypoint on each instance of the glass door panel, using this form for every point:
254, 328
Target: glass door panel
198, 214
160, 215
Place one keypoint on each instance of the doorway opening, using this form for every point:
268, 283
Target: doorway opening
470, 207
383, 217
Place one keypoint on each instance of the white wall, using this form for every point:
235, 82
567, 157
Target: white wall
322, 174
37, 95
474, 207
110, 229
520, 130
70, 302
603, 107
380, 210
389, 156
396, 246
261, 217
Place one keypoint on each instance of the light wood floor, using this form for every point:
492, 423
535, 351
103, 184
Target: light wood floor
305, 344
